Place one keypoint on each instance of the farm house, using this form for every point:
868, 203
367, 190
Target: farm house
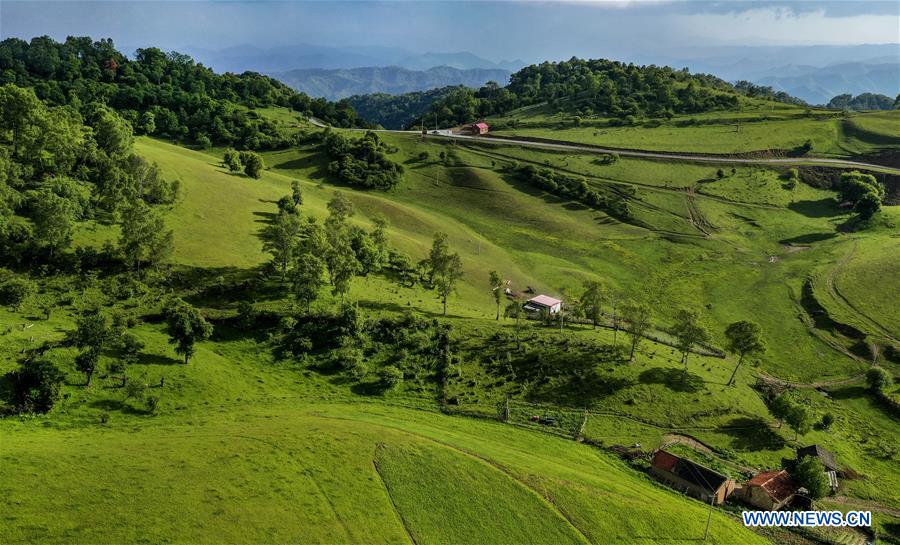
691, 478
480, 128
542, 303
770, 490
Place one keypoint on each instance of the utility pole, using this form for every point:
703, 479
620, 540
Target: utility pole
709, 517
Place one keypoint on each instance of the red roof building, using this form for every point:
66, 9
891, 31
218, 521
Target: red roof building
770, 490
691, 478
481, 128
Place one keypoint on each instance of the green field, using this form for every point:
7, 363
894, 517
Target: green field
246, 447
772, 131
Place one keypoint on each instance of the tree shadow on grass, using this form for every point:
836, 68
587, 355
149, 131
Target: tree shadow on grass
752, 434
823, 208
674, 379
368, 388
808, 238
157, 359
848, 392
116, 405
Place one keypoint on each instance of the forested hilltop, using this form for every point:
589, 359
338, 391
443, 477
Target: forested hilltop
161, 94
598, 87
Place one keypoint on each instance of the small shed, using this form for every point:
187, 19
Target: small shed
542, 303
825, 456
770, 490
480, 128
691, 478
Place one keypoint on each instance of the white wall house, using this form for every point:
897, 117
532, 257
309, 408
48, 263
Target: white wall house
541, 303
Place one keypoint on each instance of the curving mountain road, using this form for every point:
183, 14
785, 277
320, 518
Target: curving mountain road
569, 146
664, 155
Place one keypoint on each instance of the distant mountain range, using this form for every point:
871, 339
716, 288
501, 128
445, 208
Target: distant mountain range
819, 85
306, 56
394, 80
813, 73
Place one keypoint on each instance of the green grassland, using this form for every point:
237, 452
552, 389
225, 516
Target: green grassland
784, 128
249, 448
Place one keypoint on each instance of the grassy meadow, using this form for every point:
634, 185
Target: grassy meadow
246, 447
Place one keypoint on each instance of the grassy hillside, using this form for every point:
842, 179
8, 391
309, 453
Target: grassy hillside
256, 447
333, 473
769, 128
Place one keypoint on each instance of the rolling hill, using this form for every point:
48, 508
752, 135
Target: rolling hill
371, 412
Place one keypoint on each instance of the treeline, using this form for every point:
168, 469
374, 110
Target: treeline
589, 87
753, 90
59, 168
162, 94
361, 162
614, 203
864, 101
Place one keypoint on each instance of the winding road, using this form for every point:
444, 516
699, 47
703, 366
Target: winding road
570, 146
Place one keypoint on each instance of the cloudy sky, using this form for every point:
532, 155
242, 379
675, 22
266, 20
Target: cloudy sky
528, 31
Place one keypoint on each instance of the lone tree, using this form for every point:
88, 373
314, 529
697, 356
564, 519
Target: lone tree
94, 331
637, 320
307, 278
514, 310
878, 379
595, 294
793, 413
280, 238
186, 326
810, 474
688, 332
144, 237
444, 267
744, 338
862, 191
496, 289
296, 193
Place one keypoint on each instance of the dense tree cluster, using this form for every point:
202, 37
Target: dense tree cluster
862, 191
590, 87
613, 202
361, 162
159, 93
396, 111
864, 101
62, 167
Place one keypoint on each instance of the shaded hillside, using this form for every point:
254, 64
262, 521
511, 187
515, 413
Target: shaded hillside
396, 111
342, 83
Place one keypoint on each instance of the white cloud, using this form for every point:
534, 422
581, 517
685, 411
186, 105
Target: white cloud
784, 26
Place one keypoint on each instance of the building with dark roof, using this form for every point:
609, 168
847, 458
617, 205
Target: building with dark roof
770, 490
691, 478
824, 456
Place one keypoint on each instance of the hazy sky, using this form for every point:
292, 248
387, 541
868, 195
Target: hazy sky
496, 30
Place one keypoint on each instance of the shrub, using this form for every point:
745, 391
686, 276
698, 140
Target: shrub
827, 420
15, 290
390, 377
878, 379
35, 386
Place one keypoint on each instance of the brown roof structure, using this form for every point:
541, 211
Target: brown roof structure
690, 471
825, 456
778, 484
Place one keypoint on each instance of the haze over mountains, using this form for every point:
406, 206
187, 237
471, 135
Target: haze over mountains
394, 80
813, 73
